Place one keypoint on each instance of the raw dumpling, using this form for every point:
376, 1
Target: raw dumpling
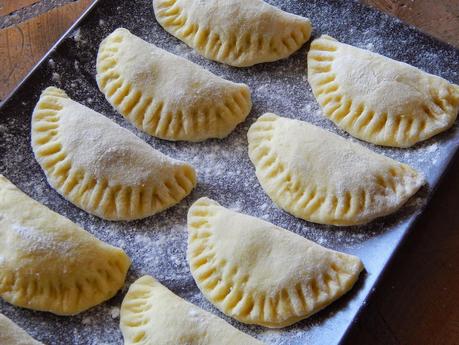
165, 95
99, 166
12, 334
377, 99
152, 315
259, 273
236, 32
320, 177
49, 263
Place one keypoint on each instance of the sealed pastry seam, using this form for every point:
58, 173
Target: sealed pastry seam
377, 99
323, 178
259, 273
236, 32
105, 170
152, 314
165, 95
51, 264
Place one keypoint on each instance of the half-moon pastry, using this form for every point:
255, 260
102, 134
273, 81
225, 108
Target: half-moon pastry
153, 315
49, 263
101, 167
259, 273
165, 95
377, 99
240, 33
323, 178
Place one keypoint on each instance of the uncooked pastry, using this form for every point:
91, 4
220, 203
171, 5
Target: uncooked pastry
165, 95
49, 263
153, 315
259, 273
377, 99
236, 32
99, 166
323, 178
12, 334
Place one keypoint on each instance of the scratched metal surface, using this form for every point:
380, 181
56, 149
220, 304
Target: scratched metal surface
157, 245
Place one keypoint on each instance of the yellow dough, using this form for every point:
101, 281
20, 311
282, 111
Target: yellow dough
323, 178
49, 263
165, 95
235, 32
259, 273
12, 334
100, 167
377, 99
153, 315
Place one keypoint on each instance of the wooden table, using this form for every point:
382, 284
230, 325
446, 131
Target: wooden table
418, 300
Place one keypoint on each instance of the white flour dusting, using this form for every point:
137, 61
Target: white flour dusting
115, 313
33, 241
56, 77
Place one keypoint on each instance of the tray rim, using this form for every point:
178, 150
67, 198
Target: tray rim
411, 223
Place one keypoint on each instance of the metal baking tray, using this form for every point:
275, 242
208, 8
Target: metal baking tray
157, 244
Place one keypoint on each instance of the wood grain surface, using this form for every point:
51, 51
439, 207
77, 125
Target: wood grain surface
22, 45
9, 6
438, 18
418, 300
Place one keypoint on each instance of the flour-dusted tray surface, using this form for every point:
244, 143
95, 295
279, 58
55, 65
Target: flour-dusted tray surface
157, 245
